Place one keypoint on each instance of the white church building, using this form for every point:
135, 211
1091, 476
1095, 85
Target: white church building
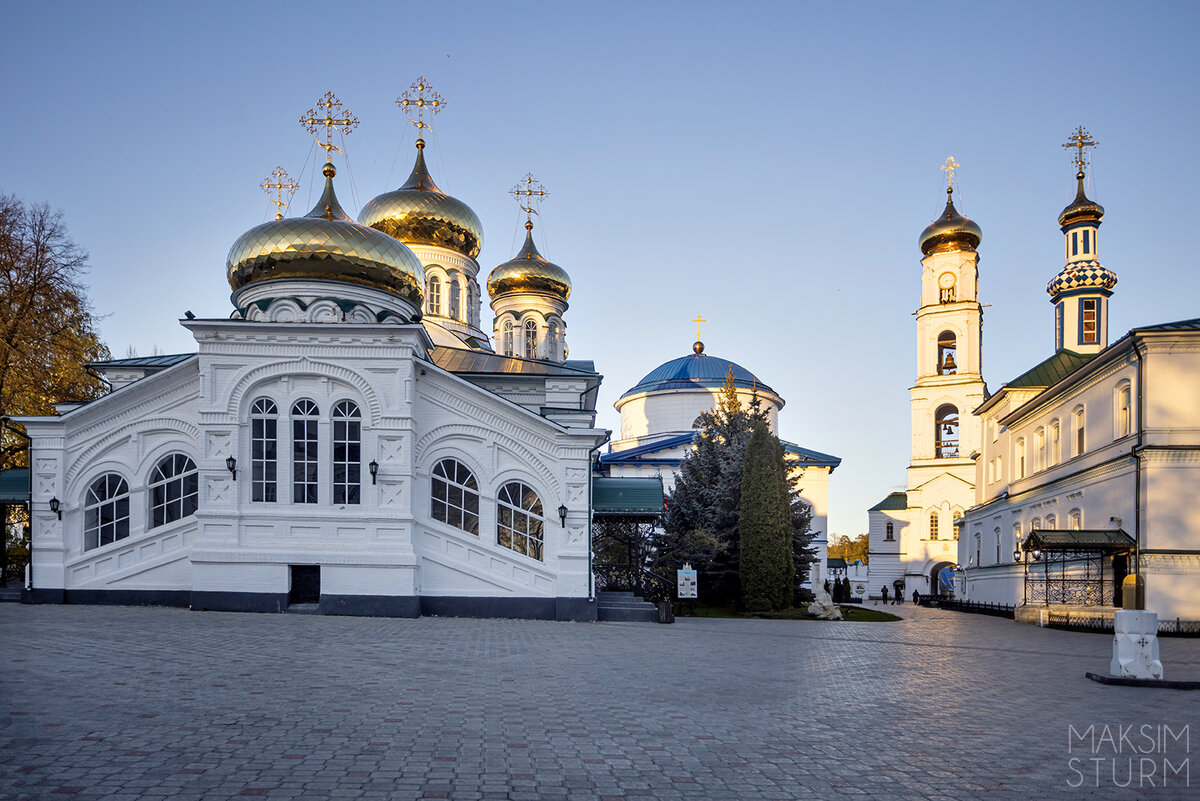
346, 439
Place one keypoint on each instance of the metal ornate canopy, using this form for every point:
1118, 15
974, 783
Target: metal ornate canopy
1072, 565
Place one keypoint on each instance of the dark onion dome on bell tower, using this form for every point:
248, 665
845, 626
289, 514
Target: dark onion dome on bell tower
528, 271
950, 231
1082, 209
419, 213
325, 244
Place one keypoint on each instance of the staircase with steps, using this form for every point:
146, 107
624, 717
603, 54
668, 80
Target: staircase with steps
11, 593
624, 607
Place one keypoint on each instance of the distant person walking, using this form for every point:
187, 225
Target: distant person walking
916, 598
883, 592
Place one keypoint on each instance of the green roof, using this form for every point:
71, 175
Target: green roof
1051, 371
897, 500
14, 485
627, 496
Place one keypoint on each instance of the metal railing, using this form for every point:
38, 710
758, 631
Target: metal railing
955, 605
641, 581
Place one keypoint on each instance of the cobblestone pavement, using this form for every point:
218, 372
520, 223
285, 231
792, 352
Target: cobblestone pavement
126, 703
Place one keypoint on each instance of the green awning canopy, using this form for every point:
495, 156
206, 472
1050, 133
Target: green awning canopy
1112, 540
14, 485
627, 496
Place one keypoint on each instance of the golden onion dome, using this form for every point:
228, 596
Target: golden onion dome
529, 272
325, 244
418, 213
950, 231
1081, 209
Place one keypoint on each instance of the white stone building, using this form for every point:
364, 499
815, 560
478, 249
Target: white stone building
911, 534
345, 438
659, 424
1091, 458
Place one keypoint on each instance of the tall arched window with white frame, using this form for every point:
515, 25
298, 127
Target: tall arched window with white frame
508, 338
455, 298
1019, 459
1039, 449
997, 545
531, 337
1055, 443
519, 523
1077, 428
889, 531
470, 315
1075, 520
552, 340
305, 416
933, 525
433, 295
105, 511
264, 451
347, 452
1123, 411
174, 490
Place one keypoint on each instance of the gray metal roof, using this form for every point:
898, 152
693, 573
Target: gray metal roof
627, 496
160, 362
459, 360
1087, 539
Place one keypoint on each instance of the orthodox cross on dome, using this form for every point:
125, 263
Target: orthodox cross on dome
417, 99
528, 192
1080, 140
697, 320
949, 168
334, 116
282, 183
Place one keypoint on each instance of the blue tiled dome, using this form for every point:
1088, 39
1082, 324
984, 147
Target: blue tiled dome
697, 371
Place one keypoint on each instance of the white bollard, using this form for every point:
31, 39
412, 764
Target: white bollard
1135, 645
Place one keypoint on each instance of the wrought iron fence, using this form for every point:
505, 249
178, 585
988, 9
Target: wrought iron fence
641, 581
955, 605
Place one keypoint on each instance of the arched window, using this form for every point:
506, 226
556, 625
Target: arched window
1123, 413
454, 496
264, 447
508, 338
1036, 523
1039, 449
105, 511
347, 452
455, 298
1051, 522
552, 340
945, 436
519, 519
1055, 444
470, 315
890, 532
997, 545
1076, 520
1077, 428
174, 490
933, 525
1019, 459
946, 353
433, 295
304, 451
531, 333
954, 528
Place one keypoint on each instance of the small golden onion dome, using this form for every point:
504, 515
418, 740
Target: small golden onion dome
529, 272
325, 244
1081, 209
950, 231
418, 213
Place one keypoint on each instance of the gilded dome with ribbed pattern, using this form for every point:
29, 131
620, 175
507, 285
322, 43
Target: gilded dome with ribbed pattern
529, 272
325, 244
418, 213
950, 231
1081, 209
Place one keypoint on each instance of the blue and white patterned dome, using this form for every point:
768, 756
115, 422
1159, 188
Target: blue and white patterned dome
1081, 275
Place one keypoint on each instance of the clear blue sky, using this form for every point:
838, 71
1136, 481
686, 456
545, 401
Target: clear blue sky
769, 165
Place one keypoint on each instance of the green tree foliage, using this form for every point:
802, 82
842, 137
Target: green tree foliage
766, 568
704, 507
47, 330
842, 547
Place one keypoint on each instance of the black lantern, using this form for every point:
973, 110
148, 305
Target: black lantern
1017, 555
56, 507
562, 515
231, 466
373, 469
1037, 555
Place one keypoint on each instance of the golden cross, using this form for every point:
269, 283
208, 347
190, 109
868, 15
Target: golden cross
415, 98
329, 106
697, 320
949, 167
525, 191
282, 183
1079, 140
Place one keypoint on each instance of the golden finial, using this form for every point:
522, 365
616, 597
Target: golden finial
1079, 140
528, 192
949, 167
415, 98
282, 183
328, 105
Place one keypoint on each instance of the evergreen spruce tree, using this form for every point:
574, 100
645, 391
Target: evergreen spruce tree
767, 570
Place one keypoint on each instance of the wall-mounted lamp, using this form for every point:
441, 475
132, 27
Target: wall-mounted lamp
56, 507
562, 515
231, 466
1017, 555
1037, 555
373, 469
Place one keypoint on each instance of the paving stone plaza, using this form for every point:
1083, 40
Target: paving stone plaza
124, 703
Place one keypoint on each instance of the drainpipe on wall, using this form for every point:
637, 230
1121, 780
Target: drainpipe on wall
1137, 482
